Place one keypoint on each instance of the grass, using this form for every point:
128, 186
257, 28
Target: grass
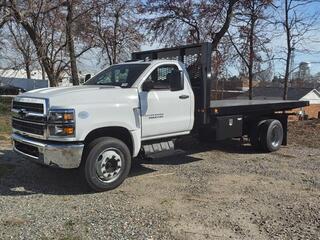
5, 105
5, 128
5, 124
5, 115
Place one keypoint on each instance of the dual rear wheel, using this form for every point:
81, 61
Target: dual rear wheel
267, 135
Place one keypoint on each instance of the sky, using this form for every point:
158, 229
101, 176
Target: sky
89, 62
312, 44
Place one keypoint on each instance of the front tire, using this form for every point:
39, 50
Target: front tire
107, 163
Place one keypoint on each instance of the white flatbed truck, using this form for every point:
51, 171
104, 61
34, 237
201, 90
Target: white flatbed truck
138, 107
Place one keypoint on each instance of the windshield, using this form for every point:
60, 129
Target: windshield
122, 75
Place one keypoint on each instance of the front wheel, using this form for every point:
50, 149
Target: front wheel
107, 163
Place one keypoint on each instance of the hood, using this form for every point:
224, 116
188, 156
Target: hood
56, 91
83, 95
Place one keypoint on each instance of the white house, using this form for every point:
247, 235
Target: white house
313, 97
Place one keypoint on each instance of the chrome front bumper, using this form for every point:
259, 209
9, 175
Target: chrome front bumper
56, 154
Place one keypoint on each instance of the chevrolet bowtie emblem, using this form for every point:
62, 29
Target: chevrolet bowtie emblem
22, 113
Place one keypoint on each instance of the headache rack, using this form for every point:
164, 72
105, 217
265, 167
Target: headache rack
197, 59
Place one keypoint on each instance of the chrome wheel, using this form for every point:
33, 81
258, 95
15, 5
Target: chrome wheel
109, 165
275, 136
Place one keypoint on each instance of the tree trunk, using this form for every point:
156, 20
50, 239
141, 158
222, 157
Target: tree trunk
287, 73
43, 72
27, 61
27, 65
251, 51
217, 38
41, 54
115, 38
289, 48
70, 44
53, 82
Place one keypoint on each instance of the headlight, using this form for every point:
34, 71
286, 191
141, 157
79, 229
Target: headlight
61, 115
61, 123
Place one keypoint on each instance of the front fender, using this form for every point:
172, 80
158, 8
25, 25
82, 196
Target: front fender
135, 133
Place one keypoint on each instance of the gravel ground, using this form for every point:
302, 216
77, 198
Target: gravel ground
212, 191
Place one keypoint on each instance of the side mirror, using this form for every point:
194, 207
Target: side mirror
87, 77
147, 86
177, 81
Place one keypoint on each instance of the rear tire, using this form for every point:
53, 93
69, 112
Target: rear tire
271, 135
254, 135
106, 164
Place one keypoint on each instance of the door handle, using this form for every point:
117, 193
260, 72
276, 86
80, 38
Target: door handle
184, 96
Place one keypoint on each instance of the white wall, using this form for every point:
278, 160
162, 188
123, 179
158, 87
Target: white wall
313, 97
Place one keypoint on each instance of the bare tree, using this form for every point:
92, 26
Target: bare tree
116, 29
296, 24
21, 44
39, 21
175, 22
44, 22
4, 14
172, 22
250, 39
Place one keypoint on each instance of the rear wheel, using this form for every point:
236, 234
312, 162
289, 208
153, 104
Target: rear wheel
107, 164
254, 134
271, 135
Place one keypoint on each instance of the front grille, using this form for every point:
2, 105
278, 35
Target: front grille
29, 116
27, 149
29, 107
28, 127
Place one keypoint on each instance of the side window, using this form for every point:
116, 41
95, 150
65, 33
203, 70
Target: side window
162, 76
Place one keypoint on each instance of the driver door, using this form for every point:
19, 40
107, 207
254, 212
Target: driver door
164, 111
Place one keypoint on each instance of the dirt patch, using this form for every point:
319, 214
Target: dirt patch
305, 133
13, 221
5, 104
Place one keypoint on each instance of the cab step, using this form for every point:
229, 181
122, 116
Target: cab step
153, 148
